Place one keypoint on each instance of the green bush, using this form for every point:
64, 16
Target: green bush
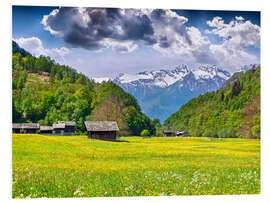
228, 133
145, 133
256, 131
210, 133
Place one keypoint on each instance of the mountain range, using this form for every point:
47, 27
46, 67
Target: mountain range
162, 92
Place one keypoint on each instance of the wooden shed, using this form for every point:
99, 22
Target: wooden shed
46, 130
104, 130
167, 133
58, 129
25, 128
16, 128
69, 127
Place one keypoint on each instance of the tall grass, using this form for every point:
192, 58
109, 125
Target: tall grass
74, 166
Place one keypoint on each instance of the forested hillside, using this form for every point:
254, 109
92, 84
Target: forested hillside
46, 92
232, 111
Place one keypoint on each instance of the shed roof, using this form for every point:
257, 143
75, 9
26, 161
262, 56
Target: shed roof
25, 125
67, 123
101, 125
42, 128
59, 126
167, 131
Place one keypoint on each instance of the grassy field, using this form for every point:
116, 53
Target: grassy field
73, 166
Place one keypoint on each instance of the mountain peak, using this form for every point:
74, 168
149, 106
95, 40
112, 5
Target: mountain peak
209, 72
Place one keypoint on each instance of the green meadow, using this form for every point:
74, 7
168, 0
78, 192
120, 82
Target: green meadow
74, 166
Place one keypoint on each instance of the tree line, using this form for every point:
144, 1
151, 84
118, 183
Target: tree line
232, 111
70, 96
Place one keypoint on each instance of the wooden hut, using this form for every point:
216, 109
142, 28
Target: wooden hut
16, 128
46, 130
25, 128
167, 133
69, 127
104, 130
58, 129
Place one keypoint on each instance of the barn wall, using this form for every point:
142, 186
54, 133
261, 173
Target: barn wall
69, 129
30, 131
102, 135
17, 131
168, 134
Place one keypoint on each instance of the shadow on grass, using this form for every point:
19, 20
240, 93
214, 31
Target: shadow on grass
109, 140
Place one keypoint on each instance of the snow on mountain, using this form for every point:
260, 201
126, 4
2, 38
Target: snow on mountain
165, 78
101, 79
161, 78
209, 72
128, 78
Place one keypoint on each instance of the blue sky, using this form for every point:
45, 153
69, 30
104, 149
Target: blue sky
104, 42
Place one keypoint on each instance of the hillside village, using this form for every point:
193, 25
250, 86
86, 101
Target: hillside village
105, 130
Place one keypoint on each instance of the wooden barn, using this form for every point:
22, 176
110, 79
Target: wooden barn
25, 128
69, 127
46, 130
167, 133
104, 130
58, 129
16, 128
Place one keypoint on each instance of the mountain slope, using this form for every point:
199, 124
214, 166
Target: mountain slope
232, 111
46, 92
161, 93
17, 49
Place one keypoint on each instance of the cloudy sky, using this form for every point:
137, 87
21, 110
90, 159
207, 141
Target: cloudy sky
103, 42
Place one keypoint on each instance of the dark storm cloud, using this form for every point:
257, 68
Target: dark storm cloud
88, 27
139, 28
98, 28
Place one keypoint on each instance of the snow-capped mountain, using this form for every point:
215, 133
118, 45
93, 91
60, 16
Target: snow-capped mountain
161, 93
166, 78
161, 78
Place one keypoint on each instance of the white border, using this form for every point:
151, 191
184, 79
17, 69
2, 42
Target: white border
5, 48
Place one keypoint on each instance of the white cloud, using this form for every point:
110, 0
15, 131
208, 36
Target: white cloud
237, 35
239, 18
216, 22
35, 46
32, 44
228, 58
59, 51
123, 47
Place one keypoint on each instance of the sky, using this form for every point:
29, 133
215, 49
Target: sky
103, 42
